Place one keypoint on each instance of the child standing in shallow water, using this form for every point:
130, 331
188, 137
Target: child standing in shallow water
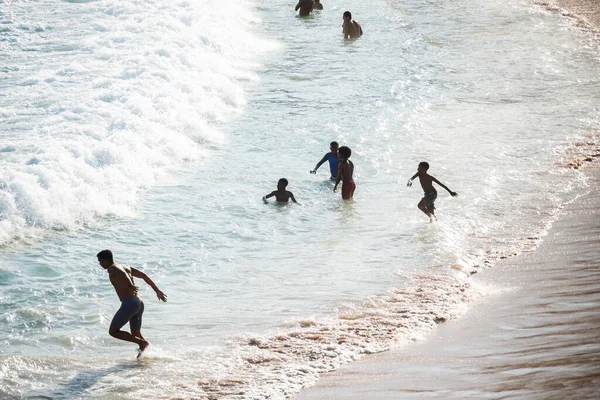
345, 172
427, 202
281, 195
332, 157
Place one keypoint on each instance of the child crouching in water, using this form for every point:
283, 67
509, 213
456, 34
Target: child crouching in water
281, 195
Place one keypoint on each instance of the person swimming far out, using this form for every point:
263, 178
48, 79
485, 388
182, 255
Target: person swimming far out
350, 28
333, 159
318, 5
281, 195
430, 194
305, 7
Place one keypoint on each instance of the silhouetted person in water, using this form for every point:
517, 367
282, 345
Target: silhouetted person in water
345, 172
333, 159
305, 7
132, 306
351, 29
430, 194
281, 195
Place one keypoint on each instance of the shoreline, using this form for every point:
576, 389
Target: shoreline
585, 11
539, 325
535, 337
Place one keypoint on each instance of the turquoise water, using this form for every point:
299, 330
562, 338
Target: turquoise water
155, 129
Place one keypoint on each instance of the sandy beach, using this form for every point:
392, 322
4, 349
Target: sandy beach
537, 337
586, 10
154, 129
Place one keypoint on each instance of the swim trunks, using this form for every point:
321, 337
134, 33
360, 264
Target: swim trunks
131, 311
430, 199
348, 190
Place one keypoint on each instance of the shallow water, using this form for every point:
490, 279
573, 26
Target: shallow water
152, 130
534, 335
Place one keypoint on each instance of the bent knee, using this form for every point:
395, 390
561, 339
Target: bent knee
112, 331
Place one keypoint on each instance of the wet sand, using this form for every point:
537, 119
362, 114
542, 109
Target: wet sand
537, 337
587, 10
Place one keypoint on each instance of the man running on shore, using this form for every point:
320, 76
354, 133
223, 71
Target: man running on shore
132, 307
305, 7
351, 29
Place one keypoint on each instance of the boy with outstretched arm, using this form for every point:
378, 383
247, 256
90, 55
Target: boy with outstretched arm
430, 194
281, 195
333, 159
344, 173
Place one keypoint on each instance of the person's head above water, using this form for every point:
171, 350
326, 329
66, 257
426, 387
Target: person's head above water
423, 166
347, 15
333, 146
282, 184
105, 258
345, 152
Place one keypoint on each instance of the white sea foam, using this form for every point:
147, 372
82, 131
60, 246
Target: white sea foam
100, 100
262, 299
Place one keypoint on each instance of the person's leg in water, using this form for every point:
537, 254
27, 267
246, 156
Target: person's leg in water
128, 310
431, 209
427, 205
423, 207
430, 204
135, 325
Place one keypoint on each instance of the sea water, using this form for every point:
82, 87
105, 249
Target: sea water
154, 129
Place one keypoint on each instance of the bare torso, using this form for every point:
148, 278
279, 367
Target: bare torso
346, 169
352, 29
305, 6
426, 183
282, 195
122, 279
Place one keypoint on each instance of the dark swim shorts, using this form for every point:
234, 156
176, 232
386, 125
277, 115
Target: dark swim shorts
131, 311
430, 199
348, 190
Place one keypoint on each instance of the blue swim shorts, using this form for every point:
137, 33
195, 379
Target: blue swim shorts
430, 199
131, 311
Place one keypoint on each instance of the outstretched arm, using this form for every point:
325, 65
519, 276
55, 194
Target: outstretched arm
264, 199
409, 183
453, 194
139, 274
325, 157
